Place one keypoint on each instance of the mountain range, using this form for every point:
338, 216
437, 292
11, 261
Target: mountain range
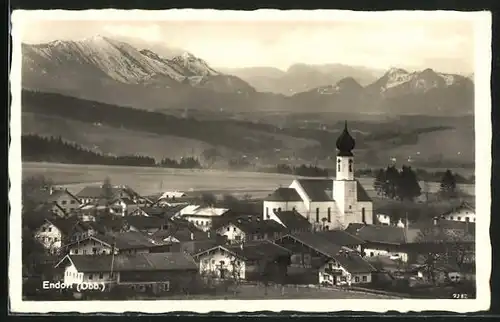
114, 72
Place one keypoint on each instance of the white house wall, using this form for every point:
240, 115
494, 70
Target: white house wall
268, 207
86, 247
462, 215
210, 263
372, 251
231, 232
203, 223
49, 236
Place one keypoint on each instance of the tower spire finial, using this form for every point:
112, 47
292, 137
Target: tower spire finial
345, 124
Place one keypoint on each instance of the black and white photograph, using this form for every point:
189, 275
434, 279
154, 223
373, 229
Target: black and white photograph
205, 160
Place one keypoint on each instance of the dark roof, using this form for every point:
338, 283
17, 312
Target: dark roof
124, 240
293, 220
109, 223
197, 246
316, 242
384, 261
57, 193
143, 222
182, 234
378, 233
97, 192
255, 225
462, 205
318, 189
361, 193
341, 237
353, 262
284, 194
65, 225
259, 250
137, 262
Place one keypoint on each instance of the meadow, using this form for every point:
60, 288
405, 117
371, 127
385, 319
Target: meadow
147, 181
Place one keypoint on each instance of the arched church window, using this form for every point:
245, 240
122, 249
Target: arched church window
350, 165
329, 214
363, 218
338, 165
317, 214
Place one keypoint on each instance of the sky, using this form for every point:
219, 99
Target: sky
446, 46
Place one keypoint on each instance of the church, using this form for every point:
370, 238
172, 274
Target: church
327, 203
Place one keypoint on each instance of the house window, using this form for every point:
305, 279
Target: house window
350, 165
63, 202
293, 208
356, 279
451, 217
101, 276
467, 219
234, 229
350, 207
50, 229
76, 251
228, 228
371, 254
329, 214
365, 278
72, 202
91, 276
317, 214
459, 218
279, 209
213, 261
84, 252
363, 218
94, 251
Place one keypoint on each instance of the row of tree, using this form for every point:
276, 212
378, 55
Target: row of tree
404, 184
302, 170
36, 148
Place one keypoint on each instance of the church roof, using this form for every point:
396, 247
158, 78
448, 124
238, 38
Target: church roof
322, 190
318, 189
284, 194
345, 143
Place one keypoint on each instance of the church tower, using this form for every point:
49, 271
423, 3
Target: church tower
345, 185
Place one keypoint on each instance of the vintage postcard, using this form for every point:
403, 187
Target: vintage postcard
231, 161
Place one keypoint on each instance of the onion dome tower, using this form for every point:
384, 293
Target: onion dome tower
345, 143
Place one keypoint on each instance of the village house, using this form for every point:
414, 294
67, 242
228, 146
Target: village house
64, 199
120, 243
327, 203
147, 225
381, 240
292, 220
92, 194
250, 228
464, 212
51, 234
202, 217
246, 261
316, 259
124, 206
155, 272
50, 209
383, 219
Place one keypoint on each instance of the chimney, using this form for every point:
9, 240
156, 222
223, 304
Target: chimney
192, 236
241, 245
51, 190
435, 221
208, 234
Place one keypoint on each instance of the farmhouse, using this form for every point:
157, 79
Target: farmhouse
464, 212
147, 225
156, 272
94, 193
250, 261
124, 206
119, 243
50, 234
202, 217
249, 228
381, 240
316, 259
327, 203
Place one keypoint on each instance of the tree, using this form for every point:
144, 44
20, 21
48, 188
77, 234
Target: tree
32, 186
107, 193
210, 156
448, 185
408, 186
208, 199
447, 246
379, 182
392, 181
230, 201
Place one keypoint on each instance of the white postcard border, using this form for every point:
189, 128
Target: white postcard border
483, 134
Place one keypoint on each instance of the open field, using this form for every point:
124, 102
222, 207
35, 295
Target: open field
255, 292
148, 181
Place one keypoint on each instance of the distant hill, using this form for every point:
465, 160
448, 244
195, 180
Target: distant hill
105, 128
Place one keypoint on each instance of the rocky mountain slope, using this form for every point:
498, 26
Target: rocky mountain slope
115, 72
